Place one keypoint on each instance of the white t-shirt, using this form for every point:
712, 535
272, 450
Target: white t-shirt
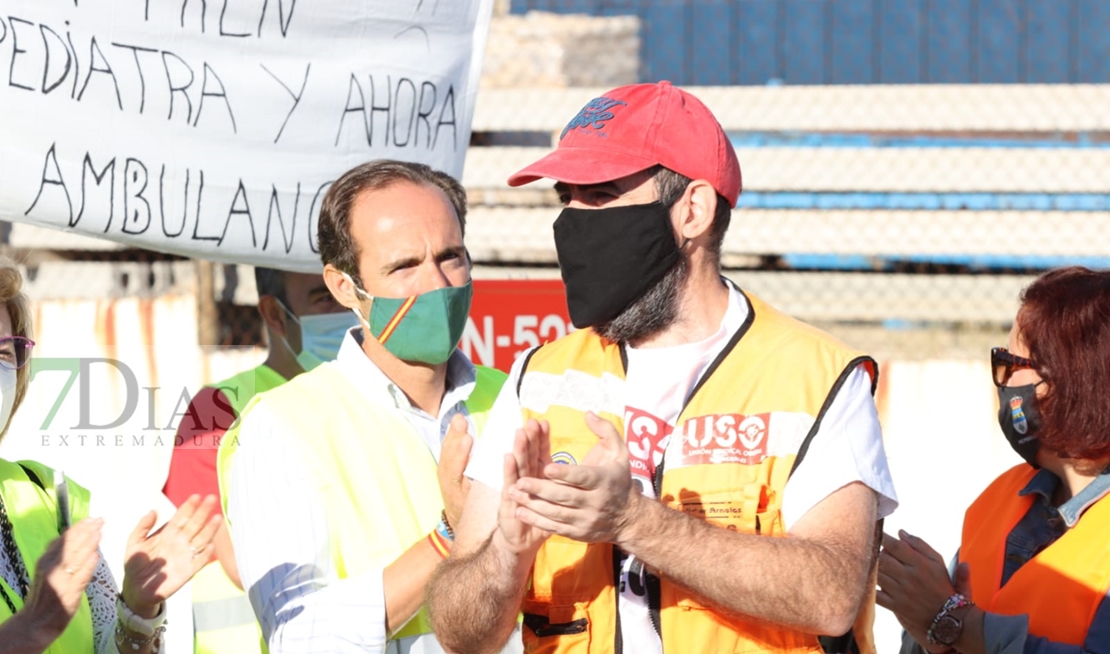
847, 448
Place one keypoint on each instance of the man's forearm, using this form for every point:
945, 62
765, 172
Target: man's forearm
474, 599
811, 586
405, 581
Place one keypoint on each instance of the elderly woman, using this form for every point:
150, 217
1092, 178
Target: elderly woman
56, 593
1034, 561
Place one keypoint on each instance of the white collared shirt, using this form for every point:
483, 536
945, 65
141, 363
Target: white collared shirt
280, 530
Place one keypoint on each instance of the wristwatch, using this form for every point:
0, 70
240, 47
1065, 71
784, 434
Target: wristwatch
946, 627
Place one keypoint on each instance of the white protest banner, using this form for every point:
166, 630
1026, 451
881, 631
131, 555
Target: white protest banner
212, 128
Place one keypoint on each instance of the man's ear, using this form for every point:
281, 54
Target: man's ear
698, 206
341, 287
272, 314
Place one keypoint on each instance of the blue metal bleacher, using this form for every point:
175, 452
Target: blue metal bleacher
726, 42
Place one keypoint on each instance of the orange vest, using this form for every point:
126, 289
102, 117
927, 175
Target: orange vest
728, 460
1060, 588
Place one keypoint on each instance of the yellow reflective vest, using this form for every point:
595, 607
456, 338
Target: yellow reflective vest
223, 621
743, 429
363, 453
28, 492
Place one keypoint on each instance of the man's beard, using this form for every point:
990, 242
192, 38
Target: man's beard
652, 312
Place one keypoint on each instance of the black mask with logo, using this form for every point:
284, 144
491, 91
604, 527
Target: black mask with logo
1020, 420
610, 257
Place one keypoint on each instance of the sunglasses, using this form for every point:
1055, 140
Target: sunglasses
1004, 364
15, 352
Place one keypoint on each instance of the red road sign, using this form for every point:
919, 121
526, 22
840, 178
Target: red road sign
509, 316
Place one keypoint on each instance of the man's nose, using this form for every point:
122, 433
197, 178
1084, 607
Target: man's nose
433, 277
576, 198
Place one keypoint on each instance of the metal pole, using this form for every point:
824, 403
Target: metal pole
208, 320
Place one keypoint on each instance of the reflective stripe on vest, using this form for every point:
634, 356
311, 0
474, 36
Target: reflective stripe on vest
727, 462
389, 461
34, 512
223, 621
1076, 567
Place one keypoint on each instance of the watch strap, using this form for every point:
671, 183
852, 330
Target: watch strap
956, 601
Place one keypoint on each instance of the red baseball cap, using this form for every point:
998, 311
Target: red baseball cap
633, 128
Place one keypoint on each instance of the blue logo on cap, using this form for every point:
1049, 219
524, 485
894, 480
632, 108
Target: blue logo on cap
594, 115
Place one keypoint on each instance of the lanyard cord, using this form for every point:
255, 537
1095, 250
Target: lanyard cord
8, 600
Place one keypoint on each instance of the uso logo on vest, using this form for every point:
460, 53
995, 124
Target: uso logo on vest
725, 438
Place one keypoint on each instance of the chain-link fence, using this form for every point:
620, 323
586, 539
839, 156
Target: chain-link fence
908, 165
912, 240
904, 218
60, 265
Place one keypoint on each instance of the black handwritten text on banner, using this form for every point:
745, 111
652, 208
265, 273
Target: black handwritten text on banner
212, 128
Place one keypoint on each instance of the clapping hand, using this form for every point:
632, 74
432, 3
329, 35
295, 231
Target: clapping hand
453, 456
914, 584
531, 454
158, 564
592, 502
61, 575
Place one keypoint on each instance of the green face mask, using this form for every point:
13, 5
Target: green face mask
423, 328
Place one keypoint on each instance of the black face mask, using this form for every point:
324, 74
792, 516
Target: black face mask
1020, 420
610, 257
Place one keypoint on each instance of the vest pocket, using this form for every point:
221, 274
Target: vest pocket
705, 630
549, 627
744, 498
542, 627
751, 509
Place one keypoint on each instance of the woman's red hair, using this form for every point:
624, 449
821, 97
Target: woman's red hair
1064, 320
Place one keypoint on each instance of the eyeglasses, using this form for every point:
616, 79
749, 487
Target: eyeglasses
15, 352
1004, 364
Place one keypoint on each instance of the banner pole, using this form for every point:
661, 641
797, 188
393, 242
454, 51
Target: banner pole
208, 323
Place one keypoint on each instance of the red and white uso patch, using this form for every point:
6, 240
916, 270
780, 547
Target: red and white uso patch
646, 436
725, 438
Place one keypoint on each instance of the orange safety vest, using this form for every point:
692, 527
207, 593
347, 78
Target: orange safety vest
1060, 588
744, 429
